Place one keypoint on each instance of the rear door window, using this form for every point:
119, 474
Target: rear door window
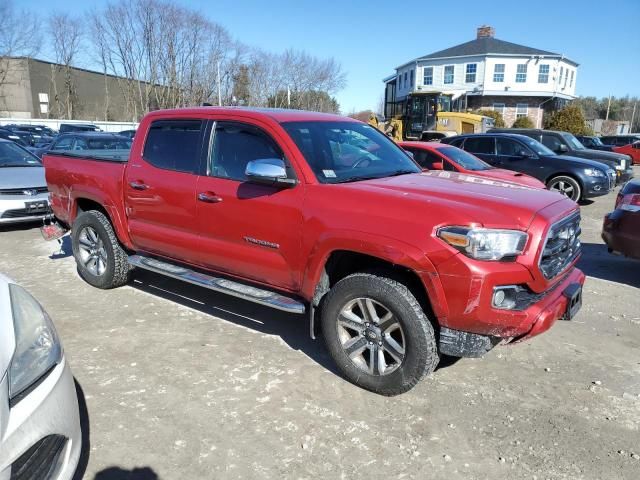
483, 145
175, 145
509, 147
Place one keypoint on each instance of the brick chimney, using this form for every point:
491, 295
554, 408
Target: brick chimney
486, 31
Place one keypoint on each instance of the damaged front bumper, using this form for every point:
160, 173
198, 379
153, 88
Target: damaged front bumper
562, 301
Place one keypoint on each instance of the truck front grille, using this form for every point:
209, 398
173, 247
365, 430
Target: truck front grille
561, 247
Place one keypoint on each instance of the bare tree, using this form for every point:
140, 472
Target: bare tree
66, 35
19, 36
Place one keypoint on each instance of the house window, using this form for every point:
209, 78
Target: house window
521, 73
411, 75
448, 74
522, 109
499, 107
498, 72
543, 73
571, 81
470, 73
405, 80
561, 74
427, 76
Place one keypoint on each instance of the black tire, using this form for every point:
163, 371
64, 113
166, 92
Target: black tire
116, 270
420, 353
556, 185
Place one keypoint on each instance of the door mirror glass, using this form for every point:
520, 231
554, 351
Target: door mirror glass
562, 148
269, 171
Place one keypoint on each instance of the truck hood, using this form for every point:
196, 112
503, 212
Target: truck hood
464, 198
22, 177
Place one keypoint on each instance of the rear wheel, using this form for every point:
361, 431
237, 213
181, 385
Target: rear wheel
101, 260
378, 334
567, 186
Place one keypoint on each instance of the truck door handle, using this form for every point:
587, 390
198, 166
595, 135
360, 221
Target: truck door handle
138, 186
209, 197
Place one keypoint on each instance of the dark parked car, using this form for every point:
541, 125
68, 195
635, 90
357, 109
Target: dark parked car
621, 229
594, 143
620, 140
577, 178
13, 136
565, 143
78, 127
39, 135
82, 141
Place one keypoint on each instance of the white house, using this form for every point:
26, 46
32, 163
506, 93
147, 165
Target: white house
491, 74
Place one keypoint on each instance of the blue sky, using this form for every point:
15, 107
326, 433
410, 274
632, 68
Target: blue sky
370, 37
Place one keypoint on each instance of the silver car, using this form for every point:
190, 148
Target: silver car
23, 189
40, 433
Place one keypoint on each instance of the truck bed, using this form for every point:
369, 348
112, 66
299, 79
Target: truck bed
97, 177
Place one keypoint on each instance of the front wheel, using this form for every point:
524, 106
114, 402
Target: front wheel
378, 334
567, 186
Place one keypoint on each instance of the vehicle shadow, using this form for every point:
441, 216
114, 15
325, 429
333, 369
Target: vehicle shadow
597, 262
117, 473
292, 328
85, 429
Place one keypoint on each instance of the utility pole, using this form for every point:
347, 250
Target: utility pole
608, 107
633, 116
220, 88
288, 97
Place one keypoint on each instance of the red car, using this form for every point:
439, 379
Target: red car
323, 215
633, 150
621, 229
440, 156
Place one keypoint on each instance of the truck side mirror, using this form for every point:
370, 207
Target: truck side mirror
562, 148
437, 166
268, 171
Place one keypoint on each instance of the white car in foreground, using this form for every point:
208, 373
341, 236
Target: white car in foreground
40, 436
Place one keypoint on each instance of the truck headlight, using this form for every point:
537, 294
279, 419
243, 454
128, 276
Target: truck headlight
485, 243
38, 348
594, 172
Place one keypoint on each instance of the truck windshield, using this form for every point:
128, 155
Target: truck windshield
573, 141
464, 159
11, 155
340, 152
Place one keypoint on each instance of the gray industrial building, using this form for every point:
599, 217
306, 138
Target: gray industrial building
31, 88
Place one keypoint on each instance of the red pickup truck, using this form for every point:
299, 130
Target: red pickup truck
324, 215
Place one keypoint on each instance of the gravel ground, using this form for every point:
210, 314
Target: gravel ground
180, 382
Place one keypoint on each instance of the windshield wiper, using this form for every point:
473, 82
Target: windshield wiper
357, 178
399, 172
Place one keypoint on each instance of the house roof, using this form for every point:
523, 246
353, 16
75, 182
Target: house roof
488, 46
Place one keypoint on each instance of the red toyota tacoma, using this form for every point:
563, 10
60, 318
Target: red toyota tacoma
308, 212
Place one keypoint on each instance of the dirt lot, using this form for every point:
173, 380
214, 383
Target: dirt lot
183, 383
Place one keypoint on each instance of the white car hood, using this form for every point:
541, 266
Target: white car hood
22, 177
7, 336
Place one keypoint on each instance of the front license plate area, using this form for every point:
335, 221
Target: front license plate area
574, 300
40, 206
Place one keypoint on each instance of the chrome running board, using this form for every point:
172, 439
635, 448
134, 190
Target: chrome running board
221, 285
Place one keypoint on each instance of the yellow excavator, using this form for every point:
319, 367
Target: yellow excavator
429, 116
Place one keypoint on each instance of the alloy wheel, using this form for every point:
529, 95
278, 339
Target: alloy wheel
371, 336
92, 252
